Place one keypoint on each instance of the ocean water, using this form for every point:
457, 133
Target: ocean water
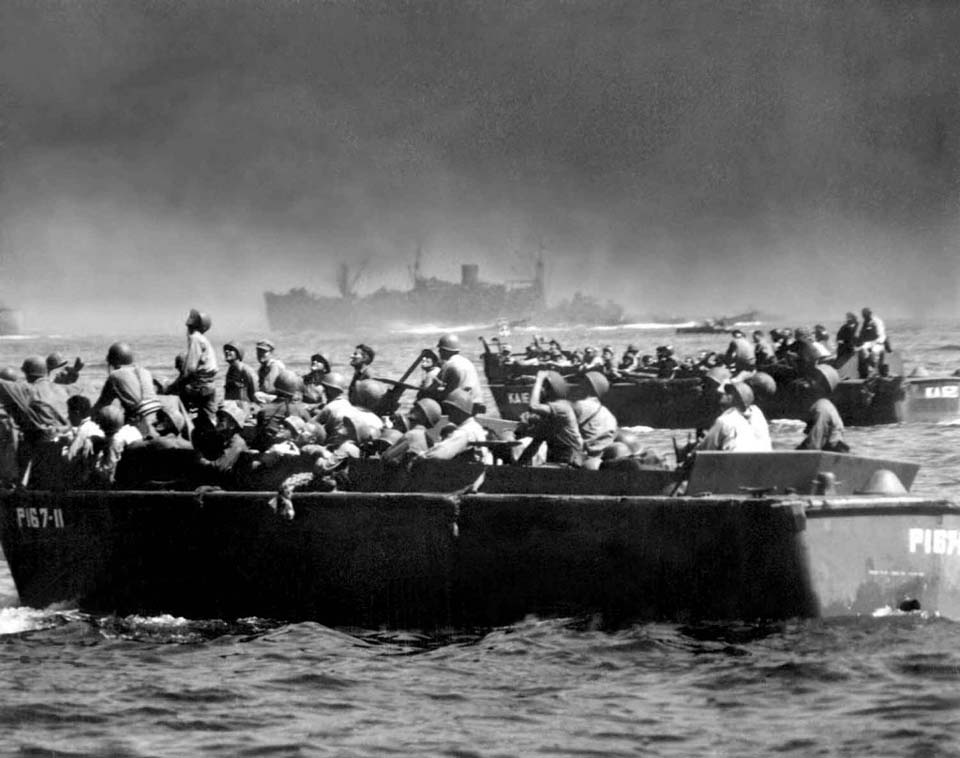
78, 685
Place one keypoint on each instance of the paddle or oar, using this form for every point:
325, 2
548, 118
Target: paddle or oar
391, 400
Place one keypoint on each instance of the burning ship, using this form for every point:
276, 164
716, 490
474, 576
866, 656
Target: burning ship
434, 301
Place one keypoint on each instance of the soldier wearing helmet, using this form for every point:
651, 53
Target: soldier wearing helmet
847, 338
555, 422
60, 372
217, 463
36, 406
732, 432
824, 430
871, 343
456, 371
598, 426
338, 407
763, 351
240, 382
666, 364
458, 443
199, 372
631, 359
821, 341
741, 357
591, 360
127, 383
287, 402
423, 416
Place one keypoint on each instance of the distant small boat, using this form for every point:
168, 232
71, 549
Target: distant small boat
721, 325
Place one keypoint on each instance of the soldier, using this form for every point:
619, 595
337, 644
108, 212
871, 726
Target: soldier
36, 407
824, 430
456, 372
458, 406
313, 379
286, 403
740, 356
361, 359
240, 383
598, 426
847, 338
555, 422
58, 370
871, 343
268, 370
199, 371
732, 431
126, 383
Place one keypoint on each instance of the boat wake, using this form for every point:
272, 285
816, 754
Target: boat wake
640, 326
438, 329
17, 620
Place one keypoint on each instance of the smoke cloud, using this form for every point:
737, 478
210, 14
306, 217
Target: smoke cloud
687, 158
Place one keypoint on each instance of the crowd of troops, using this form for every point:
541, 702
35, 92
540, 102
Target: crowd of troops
782, 352
266, 425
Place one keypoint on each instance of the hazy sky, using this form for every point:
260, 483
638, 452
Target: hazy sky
695, 158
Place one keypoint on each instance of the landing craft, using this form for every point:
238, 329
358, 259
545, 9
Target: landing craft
449, 544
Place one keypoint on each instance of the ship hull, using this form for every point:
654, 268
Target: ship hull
428, 561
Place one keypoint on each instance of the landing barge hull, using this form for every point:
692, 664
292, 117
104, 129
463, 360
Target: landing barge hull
680, 403
415, 560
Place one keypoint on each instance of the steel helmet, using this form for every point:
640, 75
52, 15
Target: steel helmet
763, 384
335, 382
234, 412
459, 400
556, 382
449, 342
9, 374
388, 437
198, 320
598, 382
828, 376
429, 409
630, 439
120, 354
316, 433
369, 393
295, 425
359, 430
616, 451
235, 346
34, 367
741, 392
55, 360
719, 375
287, 383
110, 418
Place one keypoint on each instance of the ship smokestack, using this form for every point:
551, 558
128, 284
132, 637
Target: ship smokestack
469, 275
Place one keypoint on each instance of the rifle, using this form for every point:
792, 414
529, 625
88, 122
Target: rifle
391, 400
